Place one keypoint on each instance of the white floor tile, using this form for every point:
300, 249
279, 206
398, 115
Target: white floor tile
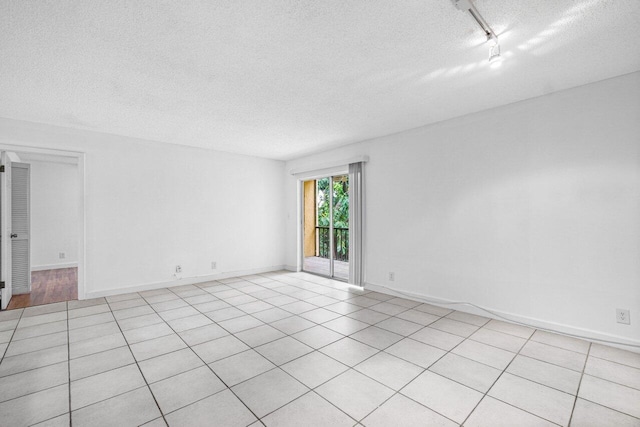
589, 414
318, 336
239, 324
167, 365
309, 410
433, 309
436, 338
349, 351
419, 317
553, 376
139, 322
510, 328
37, 343
44, 318
376, 337
95, 319
368, 316
389, 370
95, 331
186, 388
293, 324
314, 369
610, 371
202, 334
147, 333
269, 391
483, 353
558, 356
96, 345
96, 388
415, 352
399, 326
63, 420
345, 325
283, 350
221, 409
34, 331
494, 413
32, 381
401, 411
260, 335
473, 374
562, 341
319, 315
220, 348
354, 393
617, 355
157, 346
442, 395
241, 367
133, 408
36, 407
97, 363
37, 359
621, 398
545, 402
454, 327
498, 339
468, 318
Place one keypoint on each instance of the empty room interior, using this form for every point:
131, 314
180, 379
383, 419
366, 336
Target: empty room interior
320, 213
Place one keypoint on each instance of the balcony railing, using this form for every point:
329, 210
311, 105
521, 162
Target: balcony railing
340, 243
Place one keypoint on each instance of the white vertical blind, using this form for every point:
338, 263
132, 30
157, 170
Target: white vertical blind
355, 224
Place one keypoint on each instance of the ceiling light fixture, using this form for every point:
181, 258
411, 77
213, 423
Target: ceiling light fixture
492, 38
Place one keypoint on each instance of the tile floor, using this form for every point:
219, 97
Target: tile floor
292, 349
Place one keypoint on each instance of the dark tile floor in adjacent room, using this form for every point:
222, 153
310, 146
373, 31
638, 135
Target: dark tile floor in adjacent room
292, 349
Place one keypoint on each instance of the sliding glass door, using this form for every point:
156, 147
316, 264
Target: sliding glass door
326, 226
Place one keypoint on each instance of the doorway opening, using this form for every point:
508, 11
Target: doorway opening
46, 207
326, 226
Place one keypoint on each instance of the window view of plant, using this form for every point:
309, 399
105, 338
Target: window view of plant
340, 217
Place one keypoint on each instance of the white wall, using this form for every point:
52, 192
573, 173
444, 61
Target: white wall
54, 214
531, 209
150, 206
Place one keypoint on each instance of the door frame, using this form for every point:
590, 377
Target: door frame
79, 156
314, 175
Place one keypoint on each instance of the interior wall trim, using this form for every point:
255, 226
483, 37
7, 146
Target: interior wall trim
586, 334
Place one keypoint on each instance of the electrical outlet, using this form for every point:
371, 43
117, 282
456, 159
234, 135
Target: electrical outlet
392, 276
622, 316
62, 255
178, 269
214, 265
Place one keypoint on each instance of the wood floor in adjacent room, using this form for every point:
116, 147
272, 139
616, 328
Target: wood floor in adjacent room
48, 286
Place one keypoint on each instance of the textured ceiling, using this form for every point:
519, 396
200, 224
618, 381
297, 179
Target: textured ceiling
280, 79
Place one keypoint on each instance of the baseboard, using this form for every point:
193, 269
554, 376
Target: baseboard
588, 334
180, 281
293, 268
54, 266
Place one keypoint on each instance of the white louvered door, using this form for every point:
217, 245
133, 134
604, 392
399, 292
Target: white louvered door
20, 225
5, 230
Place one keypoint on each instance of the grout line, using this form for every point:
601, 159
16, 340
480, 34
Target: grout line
584, 367
295, 283
205, 364
69, 365
497, 379
139, 370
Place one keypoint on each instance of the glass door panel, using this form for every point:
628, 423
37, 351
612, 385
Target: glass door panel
340, 223
316, 243
326, 226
